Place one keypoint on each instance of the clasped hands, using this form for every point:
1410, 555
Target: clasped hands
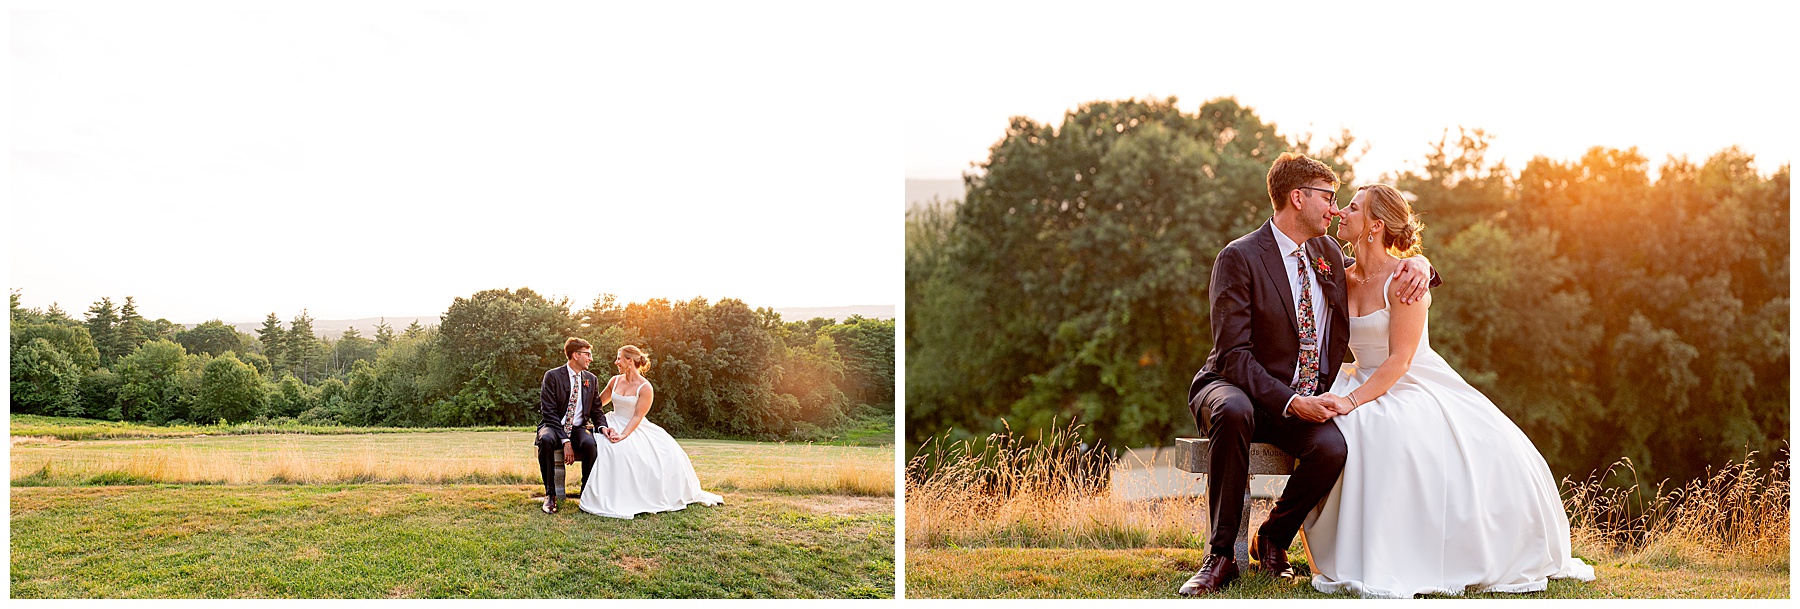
1320, 408
611, 434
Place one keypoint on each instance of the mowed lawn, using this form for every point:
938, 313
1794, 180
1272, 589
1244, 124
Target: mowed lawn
391, 515
1158, 573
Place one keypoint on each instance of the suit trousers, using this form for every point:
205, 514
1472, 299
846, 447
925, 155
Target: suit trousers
1232, 422
549, 446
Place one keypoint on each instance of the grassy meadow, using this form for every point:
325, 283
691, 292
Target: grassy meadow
138, 511
1012, 519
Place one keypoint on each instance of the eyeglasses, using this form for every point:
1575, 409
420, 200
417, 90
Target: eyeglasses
1330, 195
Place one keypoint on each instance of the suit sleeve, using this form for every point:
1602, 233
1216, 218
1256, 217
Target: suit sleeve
547, 403
1231, 319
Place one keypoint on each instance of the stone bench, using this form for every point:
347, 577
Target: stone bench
1194, 455
559, 476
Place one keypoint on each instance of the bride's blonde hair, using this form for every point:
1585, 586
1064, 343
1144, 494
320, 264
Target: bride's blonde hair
1402, 234
636, 355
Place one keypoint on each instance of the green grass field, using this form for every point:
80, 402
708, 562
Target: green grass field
438, 513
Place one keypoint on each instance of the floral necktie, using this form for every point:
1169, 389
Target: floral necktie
574, 403
1308, 383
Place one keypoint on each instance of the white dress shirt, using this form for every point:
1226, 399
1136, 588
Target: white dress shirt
575, 387
1292, 264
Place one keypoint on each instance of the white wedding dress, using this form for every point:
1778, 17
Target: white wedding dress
1441, 493
645, 472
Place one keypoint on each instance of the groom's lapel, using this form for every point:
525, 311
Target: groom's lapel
1271, 260
1331, 285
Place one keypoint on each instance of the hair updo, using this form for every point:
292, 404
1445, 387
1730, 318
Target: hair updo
1402, 234
636, 355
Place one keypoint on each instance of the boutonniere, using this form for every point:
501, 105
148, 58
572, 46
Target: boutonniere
1323, 266
584, 383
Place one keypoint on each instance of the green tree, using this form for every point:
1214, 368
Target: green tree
496, 346
867, 349
103, 328
99, 395
229, 390
349, 349
155, 383
274, 343
132, 326
812, 374
44, 380
68, 337
290, 397
213, 338
384, 334
714, 366
302, 348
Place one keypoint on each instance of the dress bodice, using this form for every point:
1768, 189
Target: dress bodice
1369, 344
626, 405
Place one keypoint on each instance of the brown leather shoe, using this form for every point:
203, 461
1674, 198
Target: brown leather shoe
1270, 559
1214, 574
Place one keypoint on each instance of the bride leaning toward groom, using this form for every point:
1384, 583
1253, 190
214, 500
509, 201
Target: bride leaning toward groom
1440, 493
641, 468
1409, 480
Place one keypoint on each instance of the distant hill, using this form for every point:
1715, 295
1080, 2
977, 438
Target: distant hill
921, 191
334, 328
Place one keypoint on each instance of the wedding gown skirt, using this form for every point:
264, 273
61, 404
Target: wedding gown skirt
647, 472
1441, 493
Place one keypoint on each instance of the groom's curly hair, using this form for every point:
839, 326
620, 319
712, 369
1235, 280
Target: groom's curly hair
1292, 171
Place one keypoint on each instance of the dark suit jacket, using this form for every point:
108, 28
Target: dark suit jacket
1256, 342
553, 398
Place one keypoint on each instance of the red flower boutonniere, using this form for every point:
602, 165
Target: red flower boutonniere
584, 383
1324, 267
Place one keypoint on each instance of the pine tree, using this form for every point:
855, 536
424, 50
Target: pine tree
102, 325
302, 347
414, 330
132, 327
274, 344
384, 333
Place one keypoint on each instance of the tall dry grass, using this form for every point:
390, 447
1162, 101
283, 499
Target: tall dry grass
287, 465
1737, 515
421, 459
1005, 490
843, 477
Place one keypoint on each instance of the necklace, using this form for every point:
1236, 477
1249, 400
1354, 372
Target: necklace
1366, 275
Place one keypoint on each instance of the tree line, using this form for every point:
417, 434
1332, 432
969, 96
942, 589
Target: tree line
1608, 312
722, 369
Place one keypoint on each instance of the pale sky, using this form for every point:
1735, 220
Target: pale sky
357, 164
1545, 78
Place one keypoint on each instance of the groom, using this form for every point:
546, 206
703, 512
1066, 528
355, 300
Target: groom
1280, 327
568, 400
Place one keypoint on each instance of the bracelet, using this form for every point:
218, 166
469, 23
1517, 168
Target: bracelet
1353, 402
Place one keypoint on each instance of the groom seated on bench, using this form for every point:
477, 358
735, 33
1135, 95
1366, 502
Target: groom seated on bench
563, 431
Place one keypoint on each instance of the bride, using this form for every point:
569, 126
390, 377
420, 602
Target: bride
1441, 493
641, 469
